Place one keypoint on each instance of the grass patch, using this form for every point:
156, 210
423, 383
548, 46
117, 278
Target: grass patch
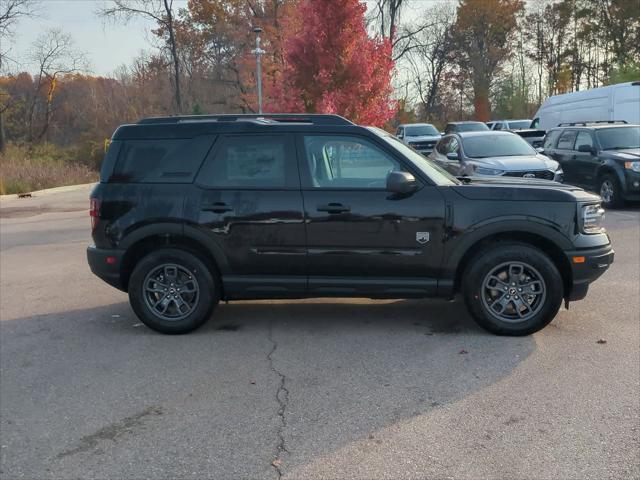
24, 169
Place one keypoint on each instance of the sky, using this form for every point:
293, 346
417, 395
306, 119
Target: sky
107, 45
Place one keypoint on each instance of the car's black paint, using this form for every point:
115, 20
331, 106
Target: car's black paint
301, 241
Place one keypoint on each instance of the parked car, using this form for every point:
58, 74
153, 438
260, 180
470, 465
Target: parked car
535, 138
421, 136
613, 102
509, 124
491, 154
603, 157
193, 210
469, 126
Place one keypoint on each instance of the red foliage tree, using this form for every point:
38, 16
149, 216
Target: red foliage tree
333, 66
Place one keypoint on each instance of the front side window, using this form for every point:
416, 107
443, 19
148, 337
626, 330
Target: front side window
248, 161
347, 162
567, 139
453, 146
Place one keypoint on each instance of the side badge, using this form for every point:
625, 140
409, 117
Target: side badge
422, 237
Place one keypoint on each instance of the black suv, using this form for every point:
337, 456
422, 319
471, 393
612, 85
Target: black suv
193, 210
603, 157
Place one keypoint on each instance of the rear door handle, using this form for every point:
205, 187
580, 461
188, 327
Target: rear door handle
334, 208
217, 207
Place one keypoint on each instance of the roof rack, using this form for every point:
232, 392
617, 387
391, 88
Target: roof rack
265, 118
595, 122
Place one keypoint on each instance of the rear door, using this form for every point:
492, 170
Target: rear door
249, 203
361, 238
565, 155
586, 163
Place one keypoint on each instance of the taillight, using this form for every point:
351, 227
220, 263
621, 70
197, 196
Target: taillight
94, 212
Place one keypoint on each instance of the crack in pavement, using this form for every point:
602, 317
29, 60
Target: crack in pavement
282, 397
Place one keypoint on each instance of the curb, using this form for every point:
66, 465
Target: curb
47, 191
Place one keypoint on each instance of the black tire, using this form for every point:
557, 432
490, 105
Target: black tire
610, 191
480, 298
165, 271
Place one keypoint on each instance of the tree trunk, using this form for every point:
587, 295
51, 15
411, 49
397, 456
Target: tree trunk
481, 103
174, 56
2, 135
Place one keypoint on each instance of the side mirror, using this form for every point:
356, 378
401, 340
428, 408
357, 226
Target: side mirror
453, 156
400, 135
401, 182
540, 150
586, 149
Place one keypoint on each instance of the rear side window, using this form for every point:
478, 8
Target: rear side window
174, 160
251, 161
550, 138
567, 139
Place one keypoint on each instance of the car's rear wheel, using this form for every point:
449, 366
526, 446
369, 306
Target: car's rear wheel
610, 191
172, 291
512, 289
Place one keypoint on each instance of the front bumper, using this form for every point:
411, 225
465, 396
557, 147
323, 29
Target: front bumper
586, 266
106, 264
632, 186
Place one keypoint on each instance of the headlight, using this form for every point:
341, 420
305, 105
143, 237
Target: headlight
591, 218
635, 166
488, 171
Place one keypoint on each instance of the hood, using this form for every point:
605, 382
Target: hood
517, 189
517, 163
626, 155
421, 138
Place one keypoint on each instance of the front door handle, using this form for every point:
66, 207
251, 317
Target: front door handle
334, 208
217, 207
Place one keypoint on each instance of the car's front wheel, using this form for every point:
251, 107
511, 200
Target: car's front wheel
512, 289
172, 291
610, 191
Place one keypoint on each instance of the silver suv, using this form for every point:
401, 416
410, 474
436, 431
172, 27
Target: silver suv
421, 136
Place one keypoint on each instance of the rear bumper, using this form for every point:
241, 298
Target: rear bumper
596, 262
106, 264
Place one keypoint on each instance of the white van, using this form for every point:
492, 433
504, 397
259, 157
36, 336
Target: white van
613, 102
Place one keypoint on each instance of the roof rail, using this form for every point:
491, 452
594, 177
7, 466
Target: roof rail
594, 122
316, 119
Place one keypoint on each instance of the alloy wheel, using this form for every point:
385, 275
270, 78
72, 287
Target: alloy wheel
171, 292
513, 292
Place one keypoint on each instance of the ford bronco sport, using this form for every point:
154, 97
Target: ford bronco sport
193, 210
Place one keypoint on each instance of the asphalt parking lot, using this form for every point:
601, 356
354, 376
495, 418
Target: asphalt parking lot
323, 388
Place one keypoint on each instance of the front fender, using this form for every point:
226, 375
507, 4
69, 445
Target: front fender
522, 226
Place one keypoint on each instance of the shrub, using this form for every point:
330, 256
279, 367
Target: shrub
25, 169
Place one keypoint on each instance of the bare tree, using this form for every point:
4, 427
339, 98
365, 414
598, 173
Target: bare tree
54, 55
428, 55
160, 11
11, 11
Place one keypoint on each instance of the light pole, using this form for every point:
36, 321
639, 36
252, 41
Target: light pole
258, 52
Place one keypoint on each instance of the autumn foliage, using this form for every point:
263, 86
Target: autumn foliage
331, 65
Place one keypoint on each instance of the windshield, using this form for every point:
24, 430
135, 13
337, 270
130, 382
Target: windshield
471, 127
421, 130
619, 138
506, 145
520, 124
430, 169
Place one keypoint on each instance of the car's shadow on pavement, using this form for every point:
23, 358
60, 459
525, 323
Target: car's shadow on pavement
261, 380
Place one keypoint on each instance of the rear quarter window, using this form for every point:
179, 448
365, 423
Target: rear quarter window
174, 160
551, 138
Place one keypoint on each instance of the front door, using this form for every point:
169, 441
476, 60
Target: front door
362, 239
250, 205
